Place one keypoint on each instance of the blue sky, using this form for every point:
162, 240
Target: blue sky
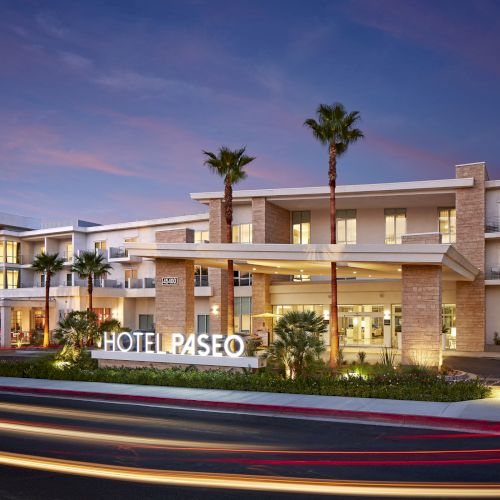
105, 106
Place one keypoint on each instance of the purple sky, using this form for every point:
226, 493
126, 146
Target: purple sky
105, 106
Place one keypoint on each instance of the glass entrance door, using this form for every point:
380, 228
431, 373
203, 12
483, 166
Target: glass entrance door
361, 325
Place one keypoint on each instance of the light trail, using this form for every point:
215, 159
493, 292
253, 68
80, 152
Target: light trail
250, 482
48, 430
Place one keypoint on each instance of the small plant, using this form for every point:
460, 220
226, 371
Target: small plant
496, 339
387, 358
361, 357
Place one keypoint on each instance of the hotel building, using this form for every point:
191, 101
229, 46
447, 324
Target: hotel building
418, 266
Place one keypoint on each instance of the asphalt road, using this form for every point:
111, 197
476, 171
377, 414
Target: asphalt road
123, 438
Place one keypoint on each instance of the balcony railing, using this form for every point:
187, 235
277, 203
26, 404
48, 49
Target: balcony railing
492, 273
118, 252
140, 283
492, 225
201, 280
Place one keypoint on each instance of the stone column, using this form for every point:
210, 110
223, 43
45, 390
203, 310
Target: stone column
422, 308
174, 304
218, 277
5, 337
422, 315
270, 224
471, 301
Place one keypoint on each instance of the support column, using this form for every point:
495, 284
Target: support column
422, 315
218, 277
261, 301
174, 304
5, 318
471, 300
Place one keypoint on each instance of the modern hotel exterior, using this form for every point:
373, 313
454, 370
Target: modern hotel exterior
418, 266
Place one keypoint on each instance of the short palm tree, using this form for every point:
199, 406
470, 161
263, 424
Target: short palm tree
229, 164
90, 265
48, 264
335, 128
298, 341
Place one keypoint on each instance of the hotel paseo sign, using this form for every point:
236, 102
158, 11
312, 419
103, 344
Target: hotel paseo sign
206, 350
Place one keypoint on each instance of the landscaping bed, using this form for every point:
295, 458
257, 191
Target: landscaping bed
404, 384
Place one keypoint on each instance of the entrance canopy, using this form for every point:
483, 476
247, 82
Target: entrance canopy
355, 261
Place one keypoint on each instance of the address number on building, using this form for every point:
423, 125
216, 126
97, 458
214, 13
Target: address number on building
169, 280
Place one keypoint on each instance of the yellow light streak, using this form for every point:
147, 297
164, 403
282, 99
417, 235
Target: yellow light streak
250, 482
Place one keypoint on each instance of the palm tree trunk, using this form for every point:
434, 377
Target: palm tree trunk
46, 328
334, 328
90, 289
228, 209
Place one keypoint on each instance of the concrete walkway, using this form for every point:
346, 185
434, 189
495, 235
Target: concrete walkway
462, 415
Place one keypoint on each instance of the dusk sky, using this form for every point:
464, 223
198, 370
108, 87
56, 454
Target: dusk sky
105, 106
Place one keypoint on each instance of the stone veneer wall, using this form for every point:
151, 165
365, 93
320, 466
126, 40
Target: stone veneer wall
217, 277
270, 224
471, 301
174, 304
422, 315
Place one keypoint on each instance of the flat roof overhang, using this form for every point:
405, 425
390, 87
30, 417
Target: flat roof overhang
355, 261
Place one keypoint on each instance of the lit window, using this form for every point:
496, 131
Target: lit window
201, 236
242, 233
2, 251
2, 276
68, 255
13, 279
100, 245
301, 228
242, 314
13, 252
448, 224
301, 277
16, 321
346, 227
395, 225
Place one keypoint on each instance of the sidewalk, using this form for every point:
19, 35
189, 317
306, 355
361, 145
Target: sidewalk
480, 415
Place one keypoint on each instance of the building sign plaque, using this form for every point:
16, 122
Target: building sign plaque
170, 280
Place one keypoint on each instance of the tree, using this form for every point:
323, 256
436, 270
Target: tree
90, 265
75, 331
48, 264
299, 341
229, 164
335, 128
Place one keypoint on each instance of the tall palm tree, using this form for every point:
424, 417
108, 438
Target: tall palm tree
48, 264
335, 128
229, 164
90, 265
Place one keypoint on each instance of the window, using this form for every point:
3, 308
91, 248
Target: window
102, 313
242, 233
201, 236
242, 279
202, 323
301, 277
100, 246
361, 324
43, 278
13, 279
449, 325
16, 321
146, 322
2, 277
395, 225
13, 250
69, 279
242, 314
282, 309
68, 253
448, 224
200, 275
346, 227
2, 251
301, 228
38, 319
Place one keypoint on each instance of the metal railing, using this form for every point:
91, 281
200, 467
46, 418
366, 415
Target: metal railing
492, 225
118, 252
201, 280
492, 273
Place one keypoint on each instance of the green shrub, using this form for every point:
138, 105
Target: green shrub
421, 386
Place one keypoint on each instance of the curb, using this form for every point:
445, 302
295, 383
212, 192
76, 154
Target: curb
483, 426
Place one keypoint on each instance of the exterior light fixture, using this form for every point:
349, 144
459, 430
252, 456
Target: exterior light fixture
215, 309
354, 272
399, 269
254, 269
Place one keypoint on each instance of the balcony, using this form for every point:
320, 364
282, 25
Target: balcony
134, 283
492, 273
201, 280
120, 254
